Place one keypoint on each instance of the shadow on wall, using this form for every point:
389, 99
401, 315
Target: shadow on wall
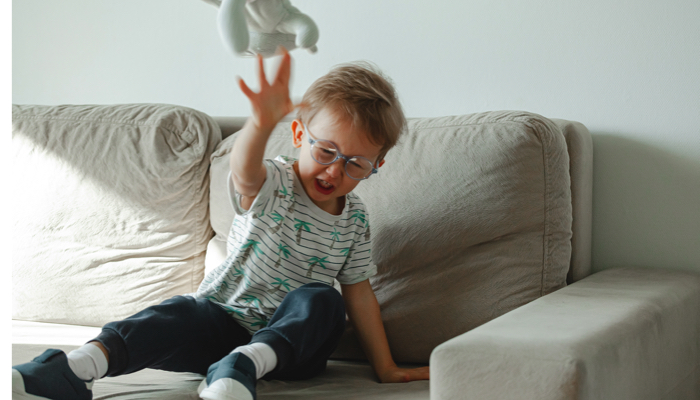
646, 206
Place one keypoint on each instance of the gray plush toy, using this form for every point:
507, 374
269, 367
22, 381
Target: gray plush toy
249, 27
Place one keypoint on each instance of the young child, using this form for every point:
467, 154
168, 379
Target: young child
270, 309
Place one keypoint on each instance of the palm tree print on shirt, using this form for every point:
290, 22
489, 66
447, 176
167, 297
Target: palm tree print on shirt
291, 205
279, 219
259, 318
358, 214
238, 274
335, 235
280, 194
250, 245
283, 251
230, 309
299, 226
252, 300
280, 283
314, 261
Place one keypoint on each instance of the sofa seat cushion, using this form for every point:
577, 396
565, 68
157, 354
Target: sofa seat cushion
470, 218
341, 380
110, 208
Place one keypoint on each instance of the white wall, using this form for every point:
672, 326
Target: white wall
629, 70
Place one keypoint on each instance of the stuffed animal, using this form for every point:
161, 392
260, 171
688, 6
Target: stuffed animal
249, 27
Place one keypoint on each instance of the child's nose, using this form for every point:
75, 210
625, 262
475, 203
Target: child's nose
335, 169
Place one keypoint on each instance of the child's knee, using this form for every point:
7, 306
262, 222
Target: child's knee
319, 294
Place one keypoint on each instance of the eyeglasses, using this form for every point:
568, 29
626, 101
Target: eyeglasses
325, 152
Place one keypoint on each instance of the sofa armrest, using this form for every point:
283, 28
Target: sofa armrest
627, 333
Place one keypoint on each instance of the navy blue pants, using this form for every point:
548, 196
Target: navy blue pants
184, 334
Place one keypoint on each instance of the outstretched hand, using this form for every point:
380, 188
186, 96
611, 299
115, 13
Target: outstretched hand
272, 103
400, 375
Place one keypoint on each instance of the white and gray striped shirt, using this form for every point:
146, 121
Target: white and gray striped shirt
282, 242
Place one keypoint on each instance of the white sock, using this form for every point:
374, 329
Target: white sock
88, 362
264, 358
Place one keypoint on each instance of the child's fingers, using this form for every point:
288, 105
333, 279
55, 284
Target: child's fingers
245, 89
261, 71
284, 70
420, 374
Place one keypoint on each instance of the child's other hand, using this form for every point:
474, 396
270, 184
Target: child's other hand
400, 375
272, 103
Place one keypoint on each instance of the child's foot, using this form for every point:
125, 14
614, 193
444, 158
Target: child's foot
232, 378
49, 377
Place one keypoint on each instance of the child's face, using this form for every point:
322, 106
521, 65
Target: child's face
326, 185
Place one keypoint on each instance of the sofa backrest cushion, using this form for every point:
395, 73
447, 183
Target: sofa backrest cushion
110, 209
470, 218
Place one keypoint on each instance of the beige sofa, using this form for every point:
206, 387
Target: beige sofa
481, 230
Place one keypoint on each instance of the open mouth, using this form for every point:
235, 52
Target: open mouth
323, 187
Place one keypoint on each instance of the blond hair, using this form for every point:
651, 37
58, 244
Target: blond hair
360, 94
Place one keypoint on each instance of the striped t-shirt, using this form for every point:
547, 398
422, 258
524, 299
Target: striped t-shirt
282, 242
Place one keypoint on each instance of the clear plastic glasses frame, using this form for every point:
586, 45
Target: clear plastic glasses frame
329, 151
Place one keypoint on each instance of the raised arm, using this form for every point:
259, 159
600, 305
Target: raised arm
269, 106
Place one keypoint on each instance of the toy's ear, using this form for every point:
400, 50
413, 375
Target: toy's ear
232, 26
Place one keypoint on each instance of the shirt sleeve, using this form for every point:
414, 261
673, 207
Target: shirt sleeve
359, 266
275, 181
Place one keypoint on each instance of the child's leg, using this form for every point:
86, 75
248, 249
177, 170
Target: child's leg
182, 334
304, 331
300, 336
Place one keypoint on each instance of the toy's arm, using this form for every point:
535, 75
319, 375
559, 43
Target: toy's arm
233, 28
303, 27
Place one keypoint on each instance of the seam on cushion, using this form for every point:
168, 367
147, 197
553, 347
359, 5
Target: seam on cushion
196, 231
524, 119
507, 354
168, 128
545, 238
516, 120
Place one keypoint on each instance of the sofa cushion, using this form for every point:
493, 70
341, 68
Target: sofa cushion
110, 209
470, 216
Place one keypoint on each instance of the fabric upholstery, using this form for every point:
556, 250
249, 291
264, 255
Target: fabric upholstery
471, 218
580, 147
110, 209
342, 380
624, 333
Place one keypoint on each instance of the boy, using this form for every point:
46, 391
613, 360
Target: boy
270, 309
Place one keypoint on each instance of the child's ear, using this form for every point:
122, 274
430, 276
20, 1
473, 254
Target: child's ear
297, 133
381, 163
